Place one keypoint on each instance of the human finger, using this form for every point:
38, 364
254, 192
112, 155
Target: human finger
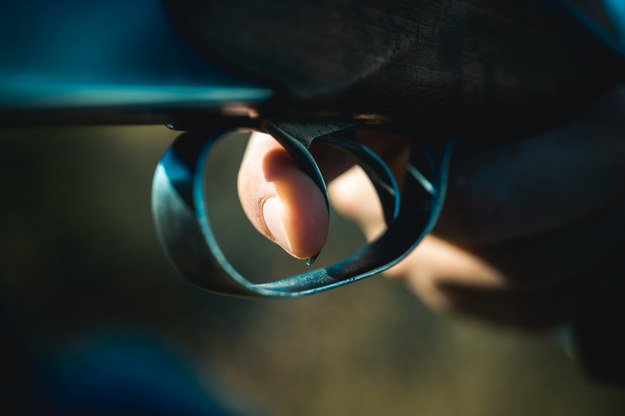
280, 200
284, 204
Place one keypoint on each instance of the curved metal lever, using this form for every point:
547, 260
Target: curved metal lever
184, 229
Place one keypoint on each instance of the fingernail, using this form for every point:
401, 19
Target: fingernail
273, 219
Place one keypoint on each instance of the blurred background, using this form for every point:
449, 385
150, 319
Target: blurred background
89, 299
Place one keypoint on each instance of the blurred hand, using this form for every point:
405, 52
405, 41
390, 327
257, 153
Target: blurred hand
530, 231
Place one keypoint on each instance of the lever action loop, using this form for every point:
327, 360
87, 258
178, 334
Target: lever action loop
184, 227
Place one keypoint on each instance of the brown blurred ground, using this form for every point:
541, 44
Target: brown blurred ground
78, 254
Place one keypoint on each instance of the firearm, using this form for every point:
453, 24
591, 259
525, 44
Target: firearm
304, 71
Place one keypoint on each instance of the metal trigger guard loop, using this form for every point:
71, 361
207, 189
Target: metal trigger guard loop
184, 229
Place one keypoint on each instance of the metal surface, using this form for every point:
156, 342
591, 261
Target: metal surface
74, 61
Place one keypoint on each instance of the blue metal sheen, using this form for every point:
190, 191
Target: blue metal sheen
91, 54
616, 11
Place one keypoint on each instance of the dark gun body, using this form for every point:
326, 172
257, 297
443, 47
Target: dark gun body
439, 67
433, 64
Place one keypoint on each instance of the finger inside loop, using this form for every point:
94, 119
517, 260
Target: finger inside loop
184, 227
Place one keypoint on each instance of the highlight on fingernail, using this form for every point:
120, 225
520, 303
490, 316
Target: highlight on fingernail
273, 214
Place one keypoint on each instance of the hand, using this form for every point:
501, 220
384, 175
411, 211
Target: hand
529, 231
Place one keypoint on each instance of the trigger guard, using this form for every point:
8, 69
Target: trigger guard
376, 169
184, 229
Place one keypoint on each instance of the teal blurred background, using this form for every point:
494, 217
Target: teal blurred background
79, 258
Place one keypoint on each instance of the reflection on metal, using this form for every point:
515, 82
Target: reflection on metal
616, 11
585, 21
110, 61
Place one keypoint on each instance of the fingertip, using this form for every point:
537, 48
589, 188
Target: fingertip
297, 216
280, 200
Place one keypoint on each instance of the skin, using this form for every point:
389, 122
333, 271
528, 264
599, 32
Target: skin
530, 231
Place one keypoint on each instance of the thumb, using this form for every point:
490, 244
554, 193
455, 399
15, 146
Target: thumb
280, 200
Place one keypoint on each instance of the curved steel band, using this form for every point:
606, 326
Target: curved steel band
184, 228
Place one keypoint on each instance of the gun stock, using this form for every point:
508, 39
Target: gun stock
427, 61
